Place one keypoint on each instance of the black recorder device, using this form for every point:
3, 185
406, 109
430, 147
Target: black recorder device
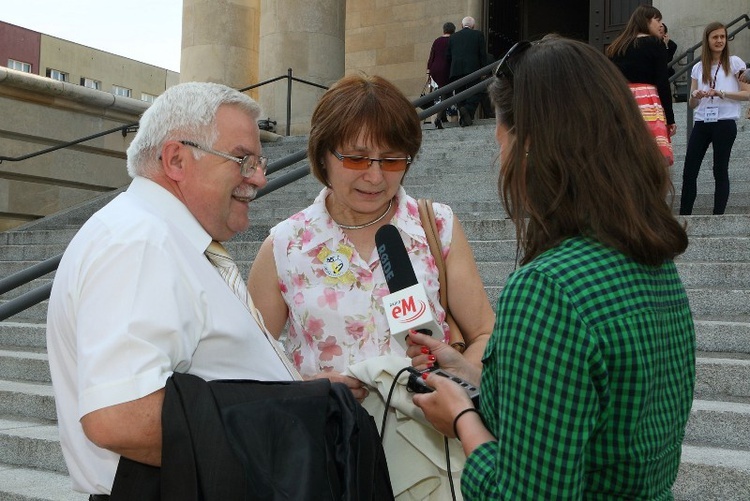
418, 385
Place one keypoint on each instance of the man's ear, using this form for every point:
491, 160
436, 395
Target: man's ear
173, 160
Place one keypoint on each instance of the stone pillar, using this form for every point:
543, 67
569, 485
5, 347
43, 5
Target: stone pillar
308, 37
220, 42
475, 10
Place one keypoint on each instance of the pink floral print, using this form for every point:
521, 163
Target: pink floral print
336, 316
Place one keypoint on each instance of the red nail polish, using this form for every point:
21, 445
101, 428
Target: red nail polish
425, 350
431, 358
424, 375
429, 366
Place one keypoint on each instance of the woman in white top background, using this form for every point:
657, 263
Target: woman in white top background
715, 94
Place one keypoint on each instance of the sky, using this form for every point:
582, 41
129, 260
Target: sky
149, 31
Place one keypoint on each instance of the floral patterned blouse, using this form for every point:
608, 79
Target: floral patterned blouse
334, 295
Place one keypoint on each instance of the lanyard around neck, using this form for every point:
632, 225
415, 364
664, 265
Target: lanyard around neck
713, 81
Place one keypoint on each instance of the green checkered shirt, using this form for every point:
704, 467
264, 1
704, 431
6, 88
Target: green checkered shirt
588, 380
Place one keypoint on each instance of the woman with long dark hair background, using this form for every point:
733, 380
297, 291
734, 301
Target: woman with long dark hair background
640, 55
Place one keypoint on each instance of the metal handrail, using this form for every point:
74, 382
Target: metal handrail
124, 128
446, 103
289, 79
35, 296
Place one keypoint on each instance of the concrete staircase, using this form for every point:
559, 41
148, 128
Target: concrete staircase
456, 166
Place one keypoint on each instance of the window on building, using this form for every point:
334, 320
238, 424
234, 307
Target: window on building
57, 75
149, 98
121, 91
19, 65
91, 83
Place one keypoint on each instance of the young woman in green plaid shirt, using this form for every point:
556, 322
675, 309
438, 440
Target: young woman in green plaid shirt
588, 378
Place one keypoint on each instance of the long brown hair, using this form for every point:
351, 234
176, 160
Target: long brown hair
581, 161
358, 103
637, 25
707, 57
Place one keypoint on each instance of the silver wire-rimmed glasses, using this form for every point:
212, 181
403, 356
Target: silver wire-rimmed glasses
248, 164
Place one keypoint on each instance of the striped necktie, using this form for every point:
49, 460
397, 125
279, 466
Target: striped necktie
219, 257
227, 268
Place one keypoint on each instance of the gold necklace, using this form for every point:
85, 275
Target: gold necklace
360, 226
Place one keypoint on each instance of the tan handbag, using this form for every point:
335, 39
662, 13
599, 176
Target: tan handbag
427, 216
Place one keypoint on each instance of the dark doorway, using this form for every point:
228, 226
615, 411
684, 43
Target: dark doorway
511, 21
595, 21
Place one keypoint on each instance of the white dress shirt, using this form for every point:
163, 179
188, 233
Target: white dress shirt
134, 300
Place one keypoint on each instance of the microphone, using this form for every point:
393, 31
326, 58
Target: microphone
407, 306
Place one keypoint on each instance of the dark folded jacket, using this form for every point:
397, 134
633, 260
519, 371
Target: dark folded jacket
252, 440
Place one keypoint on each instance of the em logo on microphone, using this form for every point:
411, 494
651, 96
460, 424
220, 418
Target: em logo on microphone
407, 310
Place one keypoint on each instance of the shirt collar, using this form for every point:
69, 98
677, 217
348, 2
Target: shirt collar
161, 202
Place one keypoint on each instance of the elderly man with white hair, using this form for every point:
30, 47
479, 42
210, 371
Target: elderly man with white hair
467, 52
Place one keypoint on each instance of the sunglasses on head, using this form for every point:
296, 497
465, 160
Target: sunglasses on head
503, 69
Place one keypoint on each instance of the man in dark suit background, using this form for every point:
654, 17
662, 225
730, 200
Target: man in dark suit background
467, 53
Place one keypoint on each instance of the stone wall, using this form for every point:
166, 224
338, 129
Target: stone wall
686, 20
39, 113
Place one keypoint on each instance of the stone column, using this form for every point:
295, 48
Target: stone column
220, 42
308, 37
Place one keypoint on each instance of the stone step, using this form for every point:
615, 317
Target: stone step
716, 302
28, 400
38, 236
32, 252
24, 366
29, 484
31, 443
722, 379
722, 336
709, 473
719, 424
14, 335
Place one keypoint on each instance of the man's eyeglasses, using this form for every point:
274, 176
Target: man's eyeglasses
248, 164
360, 162
503, 69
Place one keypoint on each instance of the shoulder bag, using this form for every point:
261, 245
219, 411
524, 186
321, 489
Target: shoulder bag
427, 216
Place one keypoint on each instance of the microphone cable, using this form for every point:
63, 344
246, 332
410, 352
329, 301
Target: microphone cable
445, 439
388, 401
448, 467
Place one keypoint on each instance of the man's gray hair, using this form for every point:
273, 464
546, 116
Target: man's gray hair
468, 22
184, 111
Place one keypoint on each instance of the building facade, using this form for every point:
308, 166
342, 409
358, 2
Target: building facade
321, 40
54, 91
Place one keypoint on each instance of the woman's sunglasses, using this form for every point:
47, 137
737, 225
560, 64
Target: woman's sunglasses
503, 69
